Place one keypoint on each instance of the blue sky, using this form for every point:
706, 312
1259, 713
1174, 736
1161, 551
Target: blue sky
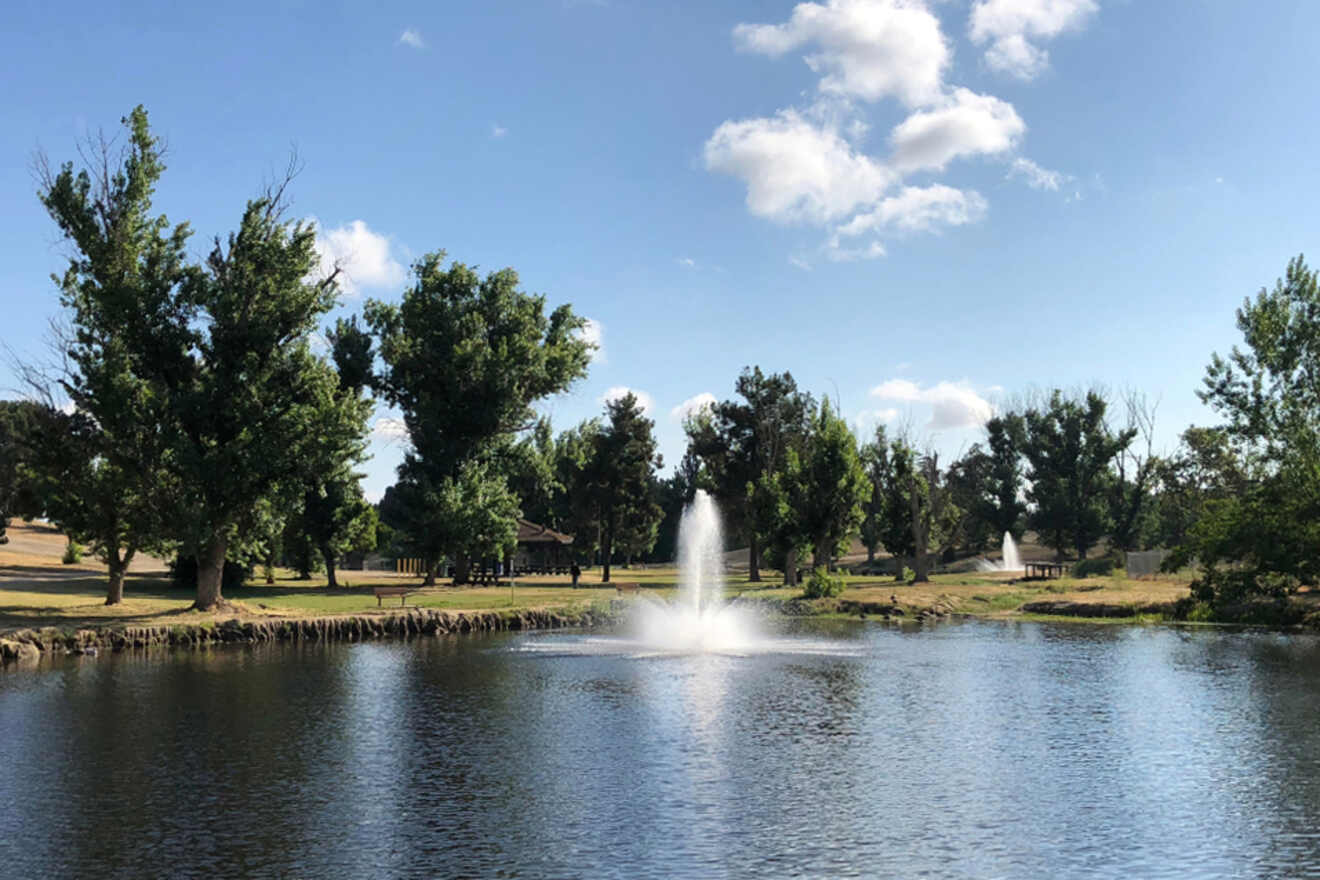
916, 208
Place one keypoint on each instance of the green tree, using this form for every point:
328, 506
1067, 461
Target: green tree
1070, 450
740, 441
1131, 501
902, 476
465, 357
779, 501
529, 465
1206, 467
874, 455
1004, 508
837, 487
968, 481
618, 479
332, 517
211, 361
574, 509
934, 515
89, 493
20, 441
1261, 539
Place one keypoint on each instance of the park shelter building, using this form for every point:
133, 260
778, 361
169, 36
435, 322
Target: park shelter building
542, 550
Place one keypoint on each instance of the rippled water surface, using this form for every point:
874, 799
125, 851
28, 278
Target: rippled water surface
965, 750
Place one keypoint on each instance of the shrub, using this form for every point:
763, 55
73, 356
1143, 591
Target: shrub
72, 553
822, 585
1103, 567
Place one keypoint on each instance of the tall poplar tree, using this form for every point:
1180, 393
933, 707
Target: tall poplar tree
215, 357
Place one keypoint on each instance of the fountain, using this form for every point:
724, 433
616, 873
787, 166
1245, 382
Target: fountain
699, 620
1009, 561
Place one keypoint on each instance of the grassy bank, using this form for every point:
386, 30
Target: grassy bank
45, 596
37, 591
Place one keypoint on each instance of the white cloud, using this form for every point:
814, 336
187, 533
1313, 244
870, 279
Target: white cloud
839, 254
1037, 177
412, 38
693, 405
1012, 27
362, 255
965, 124
593, 332
868, 418
498, 131
687, 262
953, 404
795, 170
919, 209
646, 401
800, 263
897, 389
868, 49
809, 165
389, 428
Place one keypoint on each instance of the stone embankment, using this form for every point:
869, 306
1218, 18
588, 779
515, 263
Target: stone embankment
31, 644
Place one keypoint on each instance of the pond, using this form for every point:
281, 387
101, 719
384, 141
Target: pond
971, 749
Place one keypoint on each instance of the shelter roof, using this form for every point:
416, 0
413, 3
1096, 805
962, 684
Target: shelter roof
534, 533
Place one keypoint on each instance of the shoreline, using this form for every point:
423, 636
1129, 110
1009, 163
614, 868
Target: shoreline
29, 644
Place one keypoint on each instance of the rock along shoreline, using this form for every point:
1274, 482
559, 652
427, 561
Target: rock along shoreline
27, 645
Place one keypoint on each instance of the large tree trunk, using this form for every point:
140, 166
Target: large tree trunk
920, 538
753, 560
114, 593
210, 573
462, 569
329, 565
304, 562
921, 568
820, 558
431, 566
790, 568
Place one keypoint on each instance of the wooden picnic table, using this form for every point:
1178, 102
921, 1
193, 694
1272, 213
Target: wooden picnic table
1043, 570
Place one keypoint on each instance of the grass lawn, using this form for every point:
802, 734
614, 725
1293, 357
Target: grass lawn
34, 595
36, 590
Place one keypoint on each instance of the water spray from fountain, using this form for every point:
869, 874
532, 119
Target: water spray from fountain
700, 554
1009, 561
699, 620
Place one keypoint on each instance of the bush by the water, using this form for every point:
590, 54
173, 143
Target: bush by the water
822, 585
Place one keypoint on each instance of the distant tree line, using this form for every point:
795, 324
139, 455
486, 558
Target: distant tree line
205, 426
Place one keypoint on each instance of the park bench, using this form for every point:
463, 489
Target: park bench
627, 588
401, 592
